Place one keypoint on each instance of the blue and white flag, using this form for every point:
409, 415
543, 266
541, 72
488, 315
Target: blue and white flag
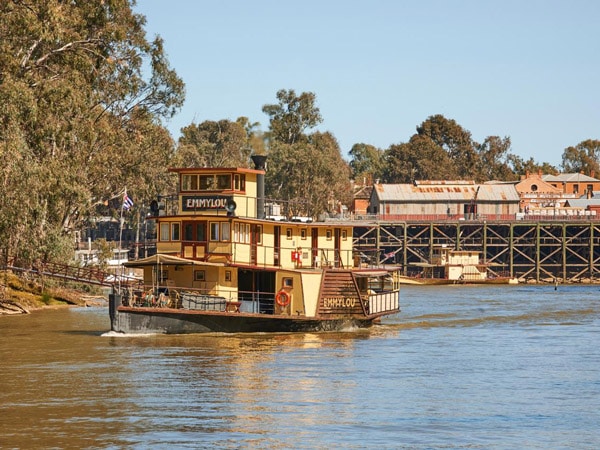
127, 202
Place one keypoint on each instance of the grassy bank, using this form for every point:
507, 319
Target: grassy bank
32, 293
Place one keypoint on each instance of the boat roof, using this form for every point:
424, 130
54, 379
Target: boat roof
168, 260
213, 170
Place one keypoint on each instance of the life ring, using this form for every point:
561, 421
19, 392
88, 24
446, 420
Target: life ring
282, 298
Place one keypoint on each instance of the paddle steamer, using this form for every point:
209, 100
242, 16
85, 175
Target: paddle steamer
224, 265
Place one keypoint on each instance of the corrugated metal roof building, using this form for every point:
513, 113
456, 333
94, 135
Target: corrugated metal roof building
444, 199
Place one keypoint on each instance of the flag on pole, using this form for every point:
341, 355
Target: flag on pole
127, 202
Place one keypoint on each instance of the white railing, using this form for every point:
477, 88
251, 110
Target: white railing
386, 301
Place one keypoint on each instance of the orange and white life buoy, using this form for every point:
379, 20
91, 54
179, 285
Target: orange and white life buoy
282, 298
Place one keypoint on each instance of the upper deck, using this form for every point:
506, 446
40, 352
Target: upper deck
219, 215
213, 191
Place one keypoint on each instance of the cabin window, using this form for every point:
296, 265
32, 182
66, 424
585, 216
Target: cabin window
228, 275
344, 235
199, 275
328, 235
288, 282
288, 233
225, 231
259, 234
189, 182
241, 232
174, 231
303, 233
239, 182
164, 231
224, 181
214, 182
169, 231
575, 189
246, 234
207, 182
214, 231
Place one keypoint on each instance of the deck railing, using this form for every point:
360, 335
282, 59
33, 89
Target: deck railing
384, 302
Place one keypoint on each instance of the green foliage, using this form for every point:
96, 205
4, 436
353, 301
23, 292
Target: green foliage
584, 157
520, 166
493, 160
46, 298
442, 150
215, 144
292, 116
307, 170
420, 159
105, 252
367, 162
311, 175
79, 120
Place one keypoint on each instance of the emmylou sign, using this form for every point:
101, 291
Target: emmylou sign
204, 203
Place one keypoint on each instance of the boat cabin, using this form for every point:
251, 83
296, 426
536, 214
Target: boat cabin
218, 248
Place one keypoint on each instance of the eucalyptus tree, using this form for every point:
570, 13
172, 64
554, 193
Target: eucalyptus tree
494, 160
292, 116
367, 162
82, 96
521, 167
455, 140
215, 144
583, 157
305, 168
419, 159
311, 176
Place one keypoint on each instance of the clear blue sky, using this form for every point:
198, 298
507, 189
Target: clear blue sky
527, 69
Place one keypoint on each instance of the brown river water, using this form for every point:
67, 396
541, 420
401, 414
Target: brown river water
515, 367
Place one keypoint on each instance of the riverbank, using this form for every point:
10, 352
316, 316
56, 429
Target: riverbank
22, 295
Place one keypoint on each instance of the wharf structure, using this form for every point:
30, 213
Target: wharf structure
536, 249
526, 230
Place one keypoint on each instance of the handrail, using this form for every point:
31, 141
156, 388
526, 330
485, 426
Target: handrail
88, 275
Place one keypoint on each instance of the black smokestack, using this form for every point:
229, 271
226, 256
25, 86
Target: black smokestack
260, 162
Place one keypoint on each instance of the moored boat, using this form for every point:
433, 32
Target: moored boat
450, 266
223, 266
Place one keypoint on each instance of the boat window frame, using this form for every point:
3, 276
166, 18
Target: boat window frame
215, 182
199, 275
236, 232
259, 234
225, 232
214, 232
165, 231
175, 231
189, 182
239, 182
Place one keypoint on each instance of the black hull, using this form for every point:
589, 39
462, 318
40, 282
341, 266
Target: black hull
172, 321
